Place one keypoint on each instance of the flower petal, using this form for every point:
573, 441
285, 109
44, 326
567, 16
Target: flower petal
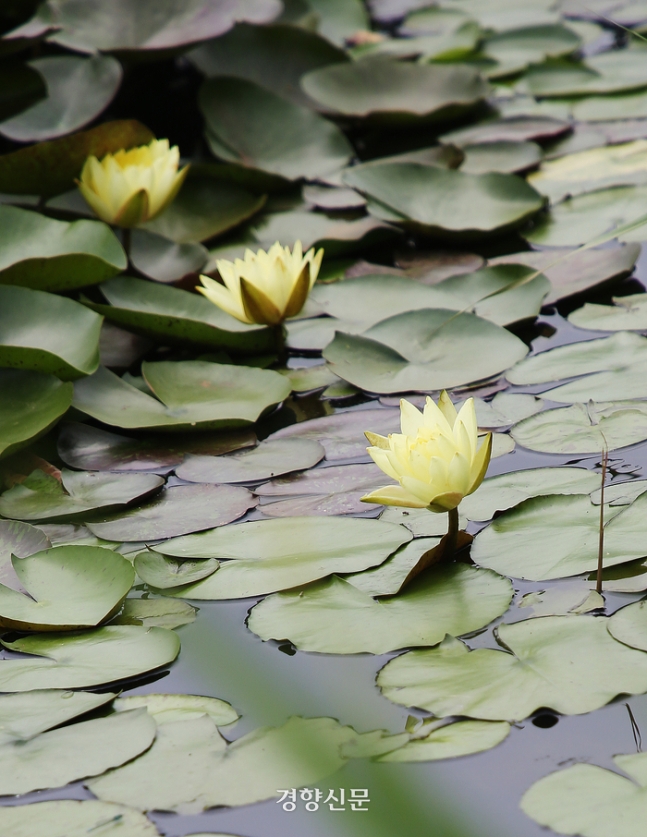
393, 495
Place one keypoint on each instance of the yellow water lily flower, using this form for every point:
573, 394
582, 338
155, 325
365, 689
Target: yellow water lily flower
264, 288
130, 187
436, 459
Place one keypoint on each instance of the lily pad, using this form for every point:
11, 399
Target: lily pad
450, 741
440, 201
626, 314
516, 48
388, 578
78, 90
391, 91
614, 71
274, 56
75, 819
169, 708
190, 767
323, 491
508, 129
85, 659
193, 395
573, 597
279, 554
232, 108
89, 748
24, 716
177, 316
164, 260
587, 799
21, 540
31, 404
334, 617
507, 490
584, 428
43, 497
269, 459
162, 572
49, 168
69, 587
629, 625
51, 255
547, 664
423, 350
504, 156
342, 434
521, 544
163, 613
176, 511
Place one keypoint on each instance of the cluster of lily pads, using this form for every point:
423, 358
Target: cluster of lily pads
155, 450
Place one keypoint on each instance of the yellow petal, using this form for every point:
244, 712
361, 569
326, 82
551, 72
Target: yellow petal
480, 464
393, 495
259, 307
446, 407
376, 440
411, 419
381, 459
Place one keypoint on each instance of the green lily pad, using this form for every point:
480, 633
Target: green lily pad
441, 201
339, 20
504, 156
521, 544
310, 378
163, 613
203, 209
21, 540
285, 553
547, 664
47, 333
75, 819
176, 511
626, 314
323, 491
164, 260
387, 578
342, 434
178, 316
609, 72
454, 45
232, 108
500, 15
334, 617
193, 395
89, 748
69, 587
109, 26
572, 597
162, 572
508, 129
274, 56
170, 708
584, 428
629, 625
43, 497
24, 716
51, 255
423, 350
607, 108
391, 91
450, 741
514, 49
85, 659
588, 800
269, 459
31, 404
507, 490
21, 87
78, 90
190, 767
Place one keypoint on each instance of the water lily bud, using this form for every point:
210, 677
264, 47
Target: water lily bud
130, 187
264, 288
435, 459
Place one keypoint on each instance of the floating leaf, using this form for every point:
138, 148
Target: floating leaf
334, 617
21, 87
75, 819
614, 71
177, 316
450, 741
176, 511
85, 659
272, 555
516, 48
626, 314
31, 404
507, 490
169, 708
584, 428
51, 255
309, 378
274, 57
78, 90
420, 522
69, 587
190, 767
193, 395
161, 572
508, 129
629, 625
590, 800
24, 716
547, 664
440, 201
269, 459
391, 91
21, 540
520, 542
232, 108
504, 156
572, 597
43, 497
89, 748
163, 613
423, 350
387, 579
164, 260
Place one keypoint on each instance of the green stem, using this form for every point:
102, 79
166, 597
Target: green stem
279, 344
452, 532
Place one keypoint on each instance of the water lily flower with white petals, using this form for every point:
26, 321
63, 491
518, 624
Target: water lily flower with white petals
264, 287
130, 187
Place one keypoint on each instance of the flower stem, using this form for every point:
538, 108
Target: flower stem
279, 344
452, 532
